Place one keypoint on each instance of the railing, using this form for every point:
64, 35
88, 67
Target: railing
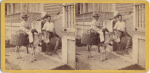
140, 17
69, 17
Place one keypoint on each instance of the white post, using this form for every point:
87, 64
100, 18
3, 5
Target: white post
21, 10
83, 16
135, 40
93, 8
26, 8
11, 18
102, 7
64, 50
113, 7
134, 19
64, 41
98, 8
135, 50
11, 8
81, 8
84, 7
8, 9
63, 8
41, 7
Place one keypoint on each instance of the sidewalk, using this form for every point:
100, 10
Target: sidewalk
113, 62
42, 63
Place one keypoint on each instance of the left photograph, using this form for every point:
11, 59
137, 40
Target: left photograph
39, 36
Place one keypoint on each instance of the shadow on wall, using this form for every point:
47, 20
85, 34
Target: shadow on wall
57, 20
129, 24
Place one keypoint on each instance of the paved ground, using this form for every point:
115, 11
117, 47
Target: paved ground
43, 62
46, 62
133, 67
84, 63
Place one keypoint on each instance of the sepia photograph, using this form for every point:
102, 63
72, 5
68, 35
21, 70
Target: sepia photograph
110, 36
39, 36
74, 36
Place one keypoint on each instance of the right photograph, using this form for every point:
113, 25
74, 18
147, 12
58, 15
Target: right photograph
110, 36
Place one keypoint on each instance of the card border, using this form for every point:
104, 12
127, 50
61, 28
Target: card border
74, 1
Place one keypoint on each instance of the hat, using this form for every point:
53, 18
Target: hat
94, 15
25, 16
47, 15
115, 14
43, 14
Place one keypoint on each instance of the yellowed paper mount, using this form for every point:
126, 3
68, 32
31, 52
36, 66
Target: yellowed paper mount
74, 36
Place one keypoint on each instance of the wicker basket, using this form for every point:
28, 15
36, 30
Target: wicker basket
19, 39
91, 38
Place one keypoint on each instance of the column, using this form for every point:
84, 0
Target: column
8, 12
41, 7
11, 8
63, 8
84, 7
98, 8
135, 50
11, 12
21, 9
81, 8
134, 18
27, 8
93, 8
113, 7
64, 50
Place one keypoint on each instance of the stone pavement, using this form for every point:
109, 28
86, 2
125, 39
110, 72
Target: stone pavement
94, 63
42, 63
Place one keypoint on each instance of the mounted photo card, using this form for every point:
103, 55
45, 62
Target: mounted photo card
74, 36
